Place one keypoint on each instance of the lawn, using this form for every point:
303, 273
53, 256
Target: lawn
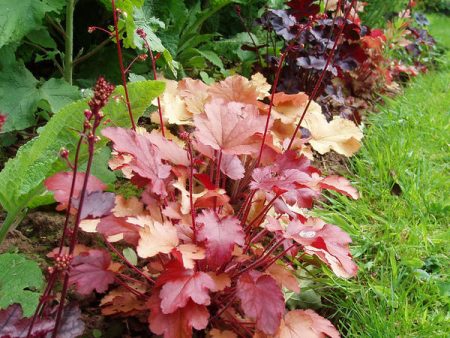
400, 224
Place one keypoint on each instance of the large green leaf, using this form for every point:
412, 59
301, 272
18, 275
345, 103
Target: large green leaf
20, 94
18, 18
18, 97
21, 281
23, 176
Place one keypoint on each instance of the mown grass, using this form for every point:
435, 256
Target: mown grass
400, 226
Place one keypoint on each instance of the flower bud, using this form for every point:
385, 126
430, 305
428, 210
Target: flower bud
64, 153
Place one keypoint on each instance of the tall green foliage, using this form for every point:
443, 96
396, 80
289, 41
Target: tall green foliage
22, 179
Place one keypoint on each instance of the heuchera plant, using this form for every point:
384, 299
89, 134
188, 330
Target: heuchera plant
221, 222
311, 38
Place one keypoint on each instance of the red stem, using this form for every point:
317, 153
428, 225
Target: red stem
130, 265
129, 288
219, 162
155, 77
191, 190
274, 89
122, 68
61, 305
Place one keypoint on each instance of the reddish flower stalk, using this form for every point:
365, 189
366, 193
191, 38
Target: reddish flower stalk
274, 89
102, 92
122, 68
191, 188
143, 36
322, 75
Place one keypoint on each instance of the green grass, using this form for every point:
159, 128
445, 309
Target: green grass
401, 241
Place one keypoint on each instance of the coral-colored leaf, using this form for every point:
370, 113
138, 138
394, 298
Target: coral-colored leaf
117, 228
284, 276
340, 135
195, 95
178, 324
146, 157
289, 107
235, 88
326, 241
155, 237
261, 299
187, 254
90, 271
121, 301
229, 126
169, 150
232, 167
339, 184
61, 183
262, 86
306, 324
181, 285
127, 207
173, 106
220, 236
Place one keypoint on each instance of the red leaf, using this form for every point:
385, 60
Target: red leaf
205, 180
292, 174
146, 160
305, 324
229, 126
261, 299
90, 272
303, 8
181, 285
60, 184
178, 324
326, 241
117, 228
220, 236
339, 184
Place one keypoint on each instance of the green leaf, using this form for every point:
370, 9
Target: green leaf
21, 281
23, 176
100, 167
18, 18
58, 93
211, 57
126, 20
42, 37
19, 96
144, 20
130, 255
